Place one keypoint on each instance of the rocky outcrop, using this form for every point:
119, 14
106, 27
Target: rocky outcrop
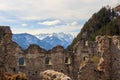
53, 75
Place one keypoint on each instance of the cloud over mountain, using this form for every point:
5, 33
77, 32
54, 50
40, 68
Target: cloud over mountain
50, 23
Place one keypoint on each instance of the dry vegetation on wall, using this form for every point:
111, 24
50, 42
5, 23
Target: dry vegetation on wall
7, 76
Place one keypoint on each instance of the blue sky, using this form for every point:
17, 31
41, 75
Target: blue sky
49, 16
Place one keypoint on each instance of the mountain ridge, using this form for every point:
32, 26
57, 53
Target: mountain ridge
48, 42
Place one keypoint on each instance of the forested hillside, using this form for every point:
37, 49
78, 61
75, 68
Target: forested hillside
105, 22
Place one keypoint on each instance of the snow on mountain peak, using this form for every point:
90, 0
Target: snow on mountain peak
58, 35
63, 39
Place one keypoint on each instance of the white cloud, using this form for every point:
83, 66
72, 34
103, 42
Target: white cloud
74, 23
50, 23
63, 28
24, 24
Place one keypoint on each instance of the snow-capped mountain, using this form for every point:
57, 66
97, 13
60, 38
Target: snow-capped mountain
42, 36
46, 41
55, 39
24, 40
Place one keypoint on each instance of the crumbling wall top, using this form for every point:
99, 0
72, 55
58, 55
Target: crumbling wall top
58, 49
35, 49
5, 29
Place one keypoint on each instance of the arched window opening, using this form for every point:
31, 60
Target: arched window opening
85, 58
86, 43
48, 61
14, 69
67, 60
21, 61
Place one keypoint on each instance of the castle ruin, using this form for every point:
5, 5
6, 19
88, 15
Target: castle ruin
98, 60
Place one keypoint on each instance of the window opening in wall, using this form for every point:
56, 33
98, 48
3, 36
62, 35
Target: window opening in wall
36, 72
67, 60
85, 58
21, 61
14, 69
29, 72
99, 54
33, 74
61, 70
48, 61
86, 43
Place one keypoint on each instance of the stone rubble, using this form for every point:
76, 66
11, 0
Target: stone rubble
53, 75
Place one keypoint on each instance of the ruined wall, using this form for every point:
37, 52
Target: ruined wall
31, 61
60, 60
8, 49
86, 66
97, 60
105, 63
38, 60
57, 58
